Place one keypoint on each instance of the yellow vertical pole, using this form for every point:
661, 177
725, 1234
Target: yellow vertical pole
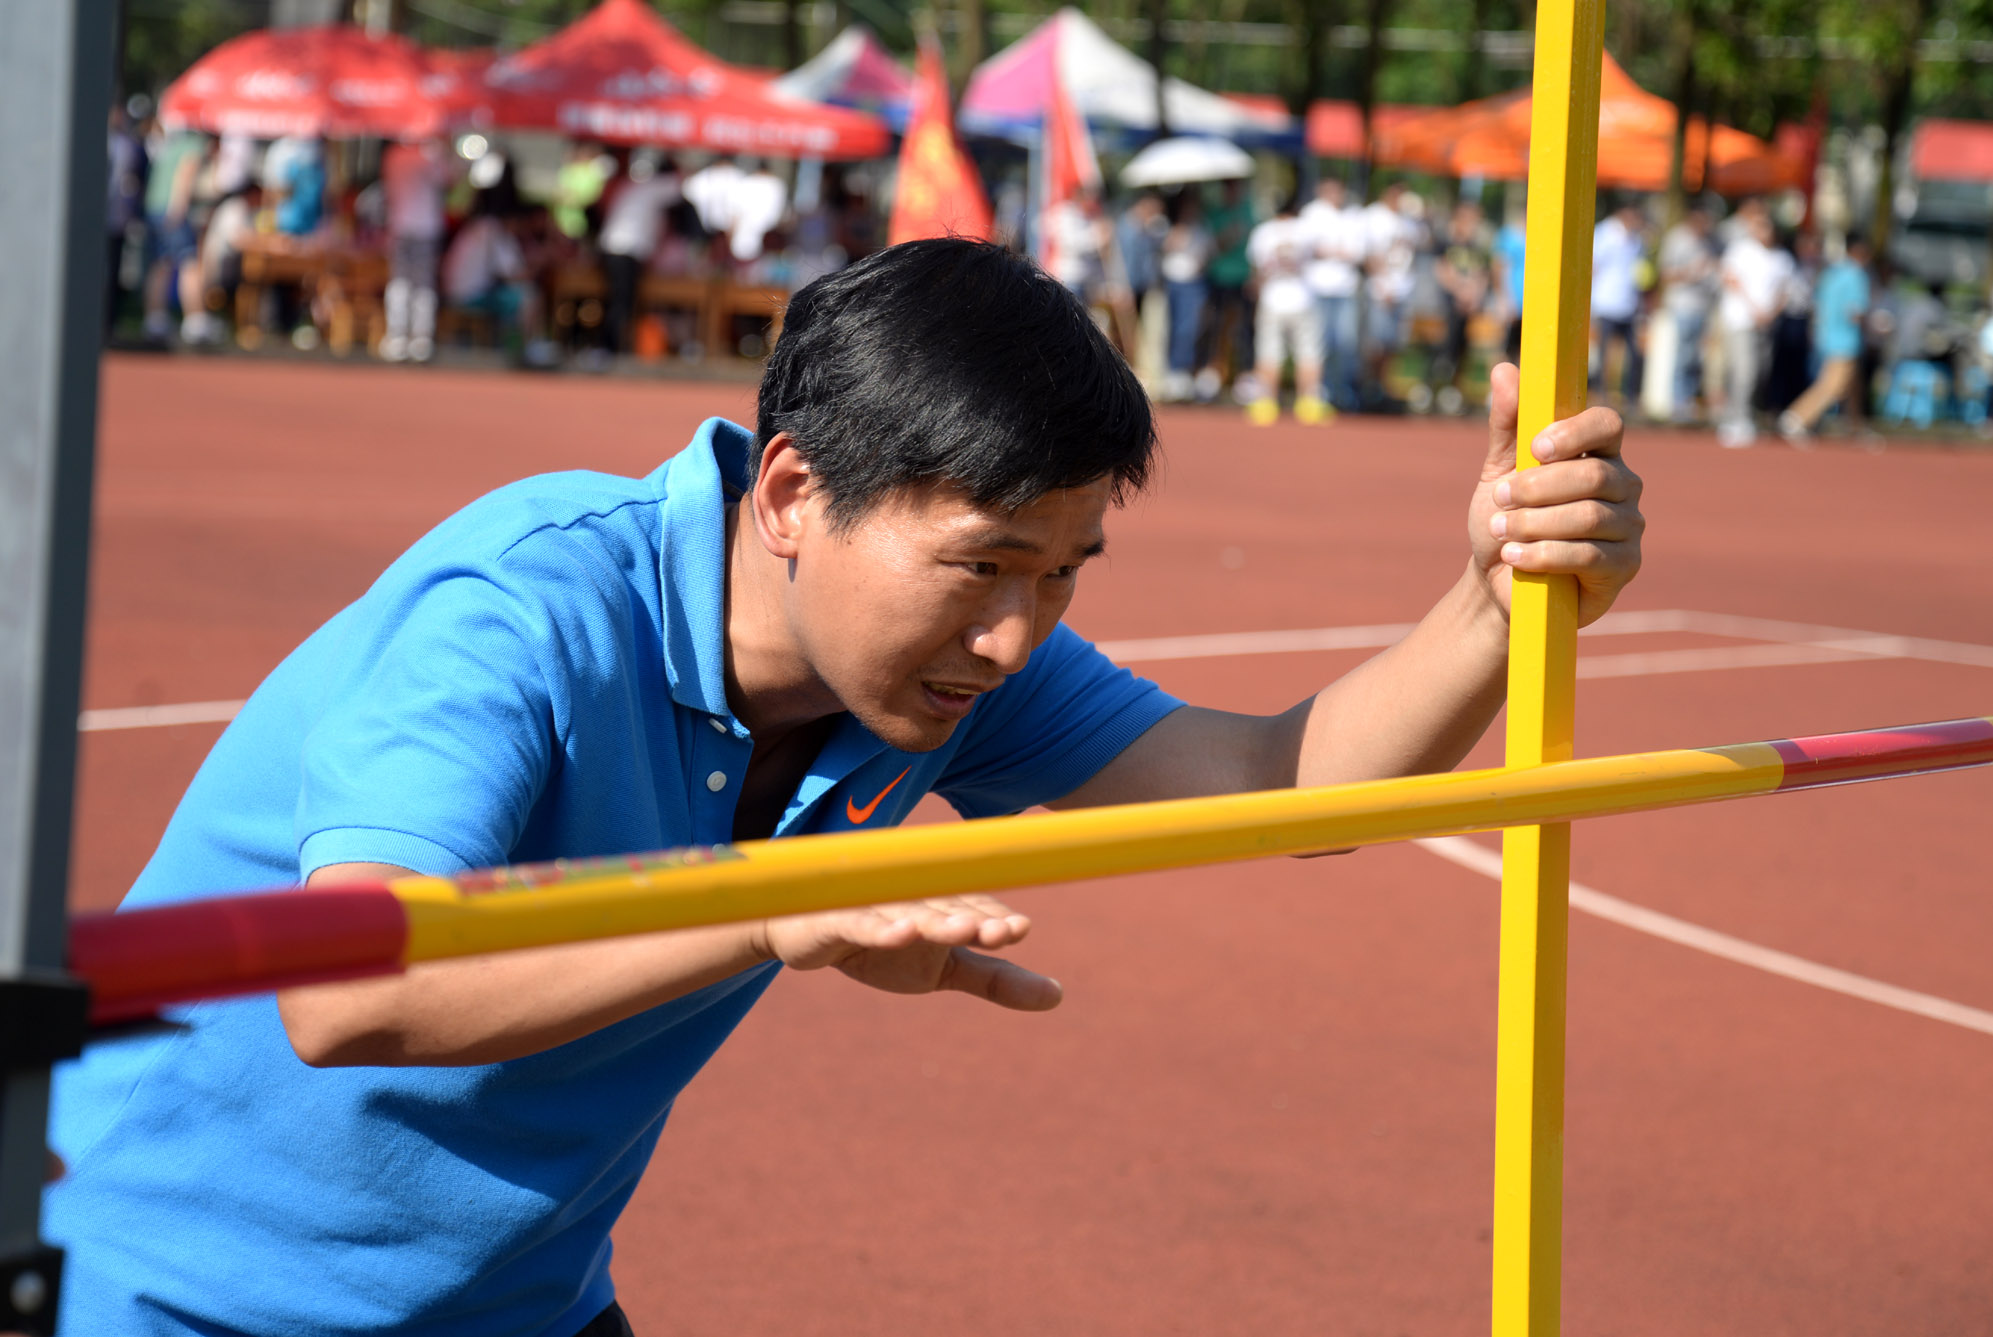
1536, 861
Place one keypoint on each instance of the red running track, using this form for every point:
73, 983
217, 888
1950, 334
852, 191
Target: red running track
1268, 1102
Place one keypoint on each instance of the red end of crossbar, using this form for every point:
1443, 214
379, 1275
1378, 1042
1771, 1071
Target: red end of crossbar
140, 960
1837, 758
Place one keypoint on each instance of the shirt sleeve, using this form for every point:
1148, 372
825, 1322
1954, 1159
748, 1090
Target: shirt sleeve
1050, 729
435, 738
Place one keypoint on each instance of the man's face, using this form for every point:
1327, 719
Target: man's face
928, 600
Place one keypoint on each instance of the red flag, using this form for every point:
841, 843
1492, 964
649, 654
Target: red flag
940, 193
1070, 167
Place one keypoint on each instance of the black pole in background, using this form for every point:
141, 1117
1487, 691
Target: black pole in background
55, 93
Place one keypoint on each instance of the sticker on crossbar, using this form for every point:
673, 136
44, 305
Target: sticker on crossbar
538, 876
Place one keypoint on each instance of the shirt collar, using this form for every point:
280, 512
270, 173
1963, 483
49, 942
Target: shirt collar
692, 572
692, 561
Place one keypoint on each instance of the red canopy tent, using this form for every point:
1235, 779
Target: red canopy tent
334, 80
622, 74
1952, 151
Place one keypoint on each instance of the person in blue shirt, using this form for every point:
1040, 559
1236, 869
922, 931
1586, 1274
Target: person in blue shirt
1511, 256
301, 180
1839, 303
805, 628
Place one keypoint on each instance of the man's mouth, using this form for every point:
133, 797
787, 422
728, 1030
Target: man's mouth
949, 699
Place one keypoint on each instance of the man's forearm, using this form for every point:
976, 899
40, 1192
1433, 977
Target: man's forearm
1418, 707
486, 1009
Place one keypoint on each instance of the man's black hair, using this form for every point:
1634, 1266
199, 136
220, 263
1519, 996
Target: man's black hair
951, 361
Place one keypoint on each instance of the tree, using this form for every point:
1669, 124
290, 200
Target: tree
1881, 38
1314, 23
1376, 14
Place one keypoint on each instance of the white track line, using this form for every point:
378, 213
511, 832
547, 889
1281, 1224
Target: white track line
153, 717
1718, 657
1808, 644
1480, 859
1780, 644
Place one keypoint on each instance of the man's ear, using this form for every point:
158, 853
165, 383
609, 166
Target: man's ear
781, 499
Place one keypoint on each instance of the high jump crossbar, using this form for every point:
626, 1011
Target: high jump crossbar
140, 960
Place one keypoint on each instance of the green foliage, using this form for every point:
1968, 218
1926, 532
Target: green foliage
1756, 62
164, 37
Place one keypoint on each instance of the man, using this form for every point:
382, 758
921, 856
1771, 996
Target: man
1689, 289
804, 629
1754, 275
1839, 304
124, 206
172, 247
1334, 273
1286, 321
1393, 238
1509, 258
632, 226
1618, 244
414, 177
1463, 274
487, 270
1228, 327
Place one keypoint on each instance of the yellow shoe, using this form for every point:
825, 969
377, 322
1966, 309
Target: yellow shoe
1310, 410
1263, 412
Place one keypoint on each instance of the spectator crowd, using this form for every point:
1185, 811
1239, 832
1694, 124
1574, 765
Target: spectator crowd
1387, 304
1392, 305
622, 251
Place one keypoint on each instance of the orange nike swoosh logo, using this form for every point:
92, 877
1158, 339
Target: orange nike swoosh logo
859, 815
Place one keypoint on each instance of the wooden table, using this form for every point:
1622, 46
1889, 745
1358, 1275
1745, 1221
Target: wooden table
270, 259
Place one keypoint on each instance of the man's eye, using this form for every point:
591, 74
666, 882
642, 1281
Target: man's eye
983, 568
1065, 573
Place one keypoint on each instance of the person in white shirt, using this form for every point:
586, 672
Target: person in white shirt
1754, 276
1392, 240
1286, 321
760, 199
229, 229
1688, 294
631, 230
1076, 237
1618, 245
486, 270
414, 178
711, 190
1334, 274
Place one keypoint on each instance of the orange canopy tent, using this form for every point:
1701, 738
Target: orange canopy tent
1334, 127
1490, 138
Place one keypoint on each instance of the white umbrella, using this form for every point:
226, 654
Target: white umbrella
1174, 162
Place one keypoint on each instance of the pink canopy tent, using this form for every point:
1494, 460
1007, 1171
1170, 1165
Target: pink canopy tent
1110, 85
855, 70
622, 74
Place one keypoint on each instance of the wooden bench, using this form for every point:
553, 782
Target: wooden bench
763, 302
268, 261
352, 294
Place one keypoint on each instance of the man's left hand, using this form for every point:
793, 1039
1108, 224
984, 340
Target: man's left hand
1577, 513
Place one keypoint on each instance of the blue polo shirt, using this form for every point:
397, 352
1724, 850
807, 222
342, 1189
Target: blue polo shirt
541, 676
1838, 306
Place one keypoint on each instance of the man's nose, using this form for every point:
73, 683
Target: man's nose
1003, 637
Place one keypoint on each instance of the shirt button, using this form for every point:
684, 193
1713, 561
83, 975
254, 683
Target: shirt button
718, 726
716, 781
